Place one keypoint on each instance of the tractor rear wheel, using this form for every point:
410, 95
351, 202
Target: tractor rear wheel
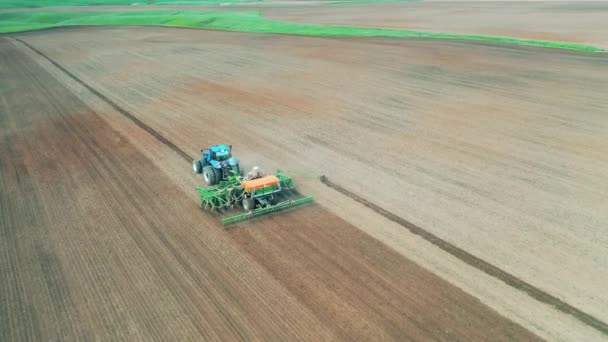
237, 169
218, 174
248, 204
209, 175
197, 166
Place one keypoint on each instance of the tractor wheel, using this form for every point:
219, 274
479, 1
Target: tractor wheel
197, 166
209, 175
218, 174
237, 169
248, 204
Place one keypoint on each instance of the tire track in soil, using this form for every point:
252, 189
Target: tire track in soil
459, 253
210, 294
478, 263
119, 109
367, 291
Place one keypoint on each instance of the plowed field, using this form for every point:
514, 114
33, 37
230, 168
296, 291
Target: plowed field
97, 241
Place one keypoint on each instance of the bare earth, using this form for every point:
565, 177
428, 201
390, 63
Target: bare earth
98, 242
496, 149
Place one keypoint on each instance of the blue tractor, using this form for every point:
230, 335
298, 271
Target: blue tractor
216, 163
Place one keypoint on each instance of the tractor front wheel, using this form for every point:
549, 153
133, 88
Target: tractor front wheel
197, 166
210, 175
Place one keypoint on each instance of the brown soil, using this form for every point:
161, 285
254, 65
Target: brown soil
98, 242
496, 149
367, 291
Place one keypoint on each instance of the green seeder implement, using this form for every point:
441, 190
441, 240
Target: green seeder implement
258, 196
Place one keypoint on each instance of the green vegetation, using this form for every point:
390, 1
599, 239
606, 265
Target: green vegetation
239, 21
55, 3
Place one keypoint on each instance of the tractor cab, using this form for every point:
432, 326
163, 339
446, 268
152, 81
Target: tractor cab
219, 152
216, 164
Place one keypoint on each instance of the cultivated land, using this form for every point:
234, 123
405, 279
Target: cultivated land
98, 242
499, 150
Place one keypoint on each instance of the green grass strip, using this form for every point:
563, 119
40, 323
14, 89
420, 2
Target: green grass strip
241, 22
65, 3
62, 3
